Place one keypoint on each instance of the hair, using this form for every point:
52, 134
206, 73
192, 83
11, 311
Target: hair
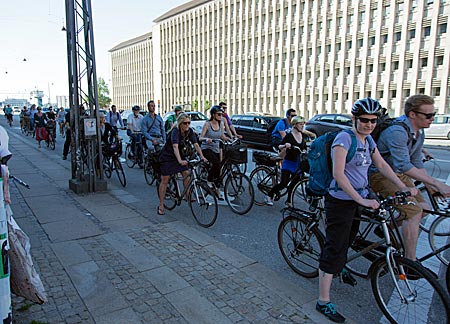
149, 102
181, 118
100, 115
413, 103
221, 104
113, 106
289, 112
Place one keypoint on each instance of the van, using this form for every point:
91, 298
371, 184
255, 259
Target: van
440, 128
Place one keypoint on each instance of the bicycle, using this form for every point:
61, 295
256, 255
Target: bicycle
403, 289
201, 199
51, 130
151, 165
267, 174
111, 162
9, 118
132, 158
238, 189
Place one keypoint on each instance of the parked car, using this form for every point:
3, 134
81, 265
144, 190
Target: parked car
126, 113
16, 110
253, 128
323, 123
439, 128
197, 119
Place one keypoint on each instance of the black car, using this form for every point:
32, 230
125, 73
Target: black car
323, 123
253, 128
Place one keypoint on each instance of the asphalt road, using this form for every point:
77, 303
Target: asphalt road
255, 234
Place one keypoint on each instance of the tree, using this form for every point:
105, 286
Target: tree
195, 105
103, 93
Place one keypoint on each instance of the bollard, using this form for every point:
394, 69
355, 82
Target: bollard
5, 290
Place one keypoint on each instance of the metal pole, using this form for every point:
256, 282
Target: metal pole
5, 289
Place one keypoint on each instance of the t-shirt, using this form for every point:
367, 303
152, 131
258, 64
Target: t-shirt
356, 169
175, 137
171, 119
282, 125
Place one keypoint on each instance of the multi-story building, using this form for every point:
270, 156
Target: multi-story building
316, 56
132, 72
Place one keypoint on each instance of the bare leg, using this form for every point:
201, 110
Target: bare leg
162, 191
324, 286
410, 229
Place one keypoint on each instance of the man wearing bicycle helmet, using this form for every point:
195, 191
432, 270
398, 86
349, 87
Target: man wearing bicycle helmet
347, 192
401, 146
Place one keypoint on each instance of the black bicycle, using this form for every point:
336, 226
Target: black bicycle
51, 131
151, 164
404, 290
136, 157
111, 161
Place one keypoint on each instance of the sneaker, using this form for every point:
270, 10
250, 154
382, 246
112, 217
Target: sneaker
268, 201
64, 157
347, 278
330, 312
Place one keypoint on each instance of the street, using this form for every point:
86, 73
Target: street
255, 234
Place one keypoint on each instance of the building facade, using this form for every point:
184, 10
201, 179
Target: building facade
132, 72
316, 56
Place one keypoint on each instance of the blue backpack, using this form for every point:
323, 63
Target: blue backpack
320, 162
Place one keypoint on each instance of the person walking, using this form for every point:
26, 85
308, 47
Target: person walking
40, 121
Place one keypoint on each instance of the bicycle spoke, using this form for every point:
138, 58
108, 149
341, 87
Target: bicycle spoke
239, 193
203, 204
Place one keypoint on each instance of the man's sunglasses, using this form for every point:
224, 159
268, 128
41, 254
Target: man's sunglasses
427, 116
366, 120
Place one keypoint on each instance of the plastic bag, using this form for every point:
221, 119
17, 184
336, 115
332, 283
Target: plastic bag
25, 280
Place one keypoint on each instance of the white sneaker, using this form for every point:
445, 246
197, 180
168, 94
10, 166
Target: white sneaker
268, 201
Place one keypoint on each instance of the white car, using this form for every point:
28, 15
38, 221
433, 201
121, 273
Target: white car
197, 120
440, 127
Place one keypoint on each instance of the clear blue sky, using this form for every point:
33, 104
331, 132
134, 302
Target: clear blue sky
31, 30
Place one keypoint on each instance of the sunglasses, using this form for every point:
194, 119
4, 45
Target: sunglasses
427, 116
186, 123
292, 116
366, 120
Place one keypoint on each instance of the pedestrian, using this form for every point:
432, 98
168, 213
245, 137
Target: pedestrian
40, 121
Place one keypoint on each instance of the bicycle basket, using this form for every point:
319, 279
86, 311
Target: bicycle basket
235, 153
263, 158
115, 148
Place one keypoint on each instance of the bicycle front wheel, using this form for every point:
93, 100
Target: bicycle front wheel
203, 204
301, 245
263, 180
120, 173
170, 198
149, 172
298, 196
129, 160
239, 193
439, 237
52, 143
419, 298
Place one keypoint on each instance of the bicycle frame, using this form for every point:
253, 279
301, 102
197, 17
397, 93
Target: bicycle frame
193, 178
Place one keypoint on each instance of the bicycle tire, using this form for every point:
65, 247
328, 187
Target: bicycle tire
129, 161
424, 296
447, 279
203, 204
300, 245
52, 144
263, 180
298, 196
120, 173
439, 236
149, 173
239, 193
170, 199
107, 170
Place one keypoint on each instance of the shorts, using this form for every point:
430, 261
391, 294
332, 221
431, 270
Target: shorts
383, 186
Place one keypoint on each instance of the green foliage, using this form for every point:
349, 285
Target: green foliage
24, 307
103, 93
195, 105
207, 105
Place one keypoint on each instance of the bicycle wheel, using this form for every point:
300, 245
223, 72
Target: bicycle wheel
447, 279
149, 173
170, 199
239, 193
263, 180
203, 204
301, 245
439, 237
106, 168
52, 143
419, 297
298, 196
129, 160
120, 173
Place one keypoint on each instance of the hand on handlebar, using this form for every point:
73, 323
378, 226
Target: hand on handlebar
370, 203
183, 162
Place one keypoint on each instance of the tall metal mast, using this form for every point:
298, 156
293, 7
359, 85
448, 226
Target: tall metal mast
87, 171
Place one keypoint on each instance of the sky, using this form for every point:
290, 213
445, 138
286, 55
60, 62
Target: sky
33, 50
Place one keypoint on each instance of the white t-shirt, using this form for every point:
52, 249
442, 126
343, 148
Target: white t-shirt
134, 122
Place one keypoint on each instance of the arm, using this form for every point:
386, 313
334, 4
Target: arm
224, 137
121, 121
176, 152
309, 134
199, 151
203, 133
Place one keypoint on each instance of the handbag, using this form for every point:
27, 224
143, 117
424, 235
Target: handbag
25, 280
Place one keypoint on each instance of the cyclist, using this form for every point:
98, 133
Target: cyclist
282, 128
402, 148
172, 119
134, 122
68, 140
51, 121
174, 155
113, 117
107, 134
26, 118
153, 128
230, 130
347, 192
212, 130
40, 120
295, 139
22, 116
9, 113
60, 116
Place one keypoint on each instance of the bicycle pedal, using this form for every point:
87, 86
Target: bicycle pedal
347, 278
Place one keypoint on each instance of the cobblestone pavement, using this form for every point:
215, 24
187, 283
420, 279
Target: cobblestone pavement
101, 261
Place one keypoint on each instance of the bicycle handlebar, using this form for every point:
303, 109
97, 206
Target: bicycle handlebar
26, 185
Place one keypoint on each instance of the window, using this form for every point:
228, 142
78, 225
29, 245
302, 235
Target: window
439, 60
348, 45
372, 40
382, 67
424, 62
370, 68
384, 38
395, 65
408, 64
436, 91
442, 28
360, 42
412, 34
398, 36
393, 93
427, 31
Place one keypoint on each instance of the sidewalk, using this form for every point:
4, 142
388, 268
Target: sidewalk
102, 261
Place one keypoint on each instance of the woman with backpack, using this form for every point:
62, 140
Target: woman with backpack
347, 192
174, 156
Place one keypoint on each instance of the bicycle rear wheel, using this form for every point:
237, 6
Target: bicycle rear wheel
129, 160
106, 167
239, 193
447, 279
263, 180
149, 172
299, 198
119, 171
301, 245
52, 143
203, 204
420, 298
439, 237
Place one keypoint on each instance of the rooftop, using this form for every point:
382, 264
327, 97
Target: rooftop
132, 41
182, 8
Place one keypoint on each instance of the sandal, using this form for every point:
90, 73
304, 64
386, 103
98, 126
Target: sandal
159, 212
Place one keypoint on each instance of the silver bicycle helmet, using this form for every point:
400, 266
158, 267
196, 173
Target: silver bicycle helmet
366, 106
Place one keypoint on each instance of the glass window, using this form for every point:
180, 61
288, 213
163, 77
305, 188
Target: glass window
343, 120
427, 31
442, 28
